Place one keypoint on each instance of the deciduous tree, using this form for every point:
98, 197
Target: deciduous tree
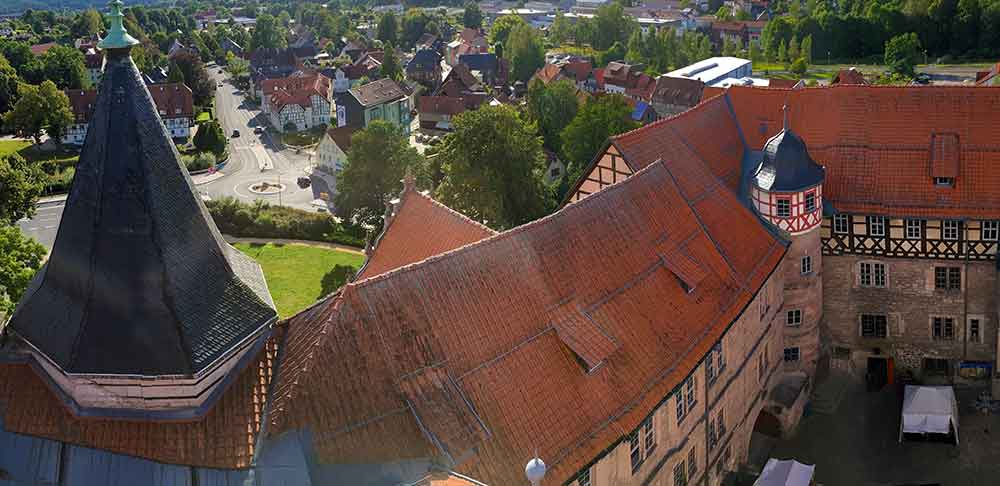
597, 120
8, 85
472, 17
388, 28
902, 53
390, 64
64, 66
525, 50
492, 165
21, 184
39, 108
552, 107
20, 259
268, 33
376, 162
210, 138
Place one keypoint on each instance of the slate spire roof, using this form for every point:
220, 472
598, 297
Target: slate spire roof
787, 165
140, 281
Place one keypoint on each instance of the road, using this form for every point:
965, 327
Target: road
248, 153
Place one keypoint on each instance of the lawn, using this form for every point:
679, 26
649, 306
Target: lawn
8, 147
303, 138
59, 165
203, 117
298, 275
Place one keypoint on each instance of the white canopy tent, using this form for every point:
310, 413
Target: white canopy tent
785, 473
929, 410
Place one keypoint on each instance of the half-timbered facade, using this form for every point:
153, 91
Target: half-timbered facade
897, 260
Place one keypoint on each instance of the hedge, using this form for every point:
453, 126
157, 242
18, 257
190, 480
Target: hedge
261, 220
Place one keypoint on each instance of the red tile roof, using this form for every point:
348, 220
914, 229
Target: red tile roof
81, 101
677, 91
441, 105
168, 97
844, 76
341, 136
419, 228
499, 322
295, 90
224, 438
548, 73
877, 144
39, 49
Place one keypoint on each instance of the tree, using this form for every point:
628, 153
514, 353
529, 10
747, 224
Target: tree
388, 28
20, 259
552, 107
472, 17
8, 85
174, 74
611, 25
561, 30
17, 53
599, 119
237, 67
39, 108
87, 24
377, 160
793, 49
806, 49
492, 165
195, 77
799, 67
502, 28
755, 54
782, 52
268, 34
724, 14
21, 184
902, 53
64, 66
390, 64
415, 23
210, 138
525, 50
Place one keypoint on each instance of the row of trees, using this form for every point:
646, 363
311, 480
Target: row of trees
20, 257
855, 29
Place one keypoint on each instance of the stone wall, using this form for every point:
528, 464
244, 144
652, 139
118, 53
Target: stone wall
909, 301
804, 292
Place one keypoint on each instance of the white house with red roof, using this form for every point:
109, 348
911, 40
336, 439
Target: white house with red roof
304, 101
174, 104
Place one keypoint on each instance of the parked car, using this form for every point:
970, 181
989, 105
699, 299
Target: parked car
258, 129
304, 182
236, 134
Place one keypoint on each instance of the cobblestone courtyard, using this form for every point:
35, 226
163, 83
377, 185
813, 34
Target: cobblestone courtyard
857, 445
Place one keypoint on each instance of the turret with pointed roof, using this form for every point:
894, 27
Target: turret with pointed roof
140, 292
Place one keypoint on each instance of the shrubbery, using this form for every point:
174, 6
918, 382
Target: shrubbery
199, 161
261, 220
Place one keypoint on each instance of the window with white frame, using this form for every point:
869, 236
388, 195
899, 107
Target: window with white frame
635, 450
841, 223
783, 208
991, 229
690, 392
648, 437
810, 202
807, 265
950, 229
874, 326
720, 356
876, 225
872, 274
681, 410
913, 229
794, 317
943, 328
944, 181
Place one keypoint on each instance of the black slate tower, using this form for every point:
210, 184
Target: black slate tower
140, 282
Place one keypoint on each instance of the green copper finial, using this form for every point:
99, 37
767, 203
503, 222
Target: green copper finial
117, 37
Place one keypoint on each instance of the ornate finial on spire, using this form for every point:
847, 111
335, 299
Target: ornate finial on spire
784, 121
117, 37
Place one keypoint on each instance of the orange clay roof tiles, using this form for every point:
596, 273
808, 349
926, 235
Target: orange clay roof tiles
485, 314
877, 144
420, 228
224, 438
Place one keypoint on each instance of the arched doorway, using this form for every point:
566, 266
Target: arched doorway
766, 433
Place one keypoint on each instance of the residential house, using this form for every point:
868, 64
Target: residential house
849, 76
271, 64
303, 100
741, 32
176, 48
40, 49
93, 60
436, 112
487, 68
675, 95
425, 68
174, 104
354, 49
331, 153
628, 80
428, 41
644, 113
469, 41
379, 100
156, 75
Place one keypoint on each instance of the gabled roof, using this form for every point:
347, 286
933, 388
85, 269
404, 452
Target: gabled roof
479, 62
677, 91
81, 102
295, 90
419, 227
140, 282
847, 76
341, 136
39, 49
504, 324
424, 60
378, 92
173, 100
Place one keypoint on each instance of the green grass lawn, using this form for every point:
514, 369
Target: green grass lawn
298, 275
8, 147
59, 165
203, 117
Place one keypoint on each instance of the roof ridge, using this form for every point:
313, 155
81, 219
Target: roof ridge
586, 202
453, 212
663, 121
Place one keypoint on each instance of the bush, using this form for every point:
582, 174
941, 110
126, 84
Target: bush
261, 220
200, 161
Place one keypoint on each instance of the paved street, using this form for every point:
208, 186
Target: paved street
248, 154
